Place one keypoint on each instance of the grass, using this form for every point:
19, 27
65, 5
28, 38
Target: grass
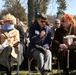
26, 73
53, 72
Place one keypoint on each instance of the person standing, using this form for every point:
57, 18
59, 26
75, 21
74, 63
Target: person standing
40, 40
56, 25
53, 29
22, 44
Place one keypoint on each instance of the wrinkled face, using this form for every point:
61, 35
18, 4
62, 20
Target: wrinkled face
41, 22
65, 23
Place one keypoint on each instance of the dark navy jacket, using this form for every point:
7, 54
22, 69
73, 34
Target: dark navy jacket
34, 34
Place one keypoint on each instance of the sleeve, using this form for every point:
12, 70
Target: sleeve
55, 42
48, 40
22, 35
16, 37
35, 38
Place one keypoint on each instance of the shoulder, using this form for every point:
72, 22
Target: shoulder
15, 30
53, 27
34, 26
59, 29
18, 27
48, 28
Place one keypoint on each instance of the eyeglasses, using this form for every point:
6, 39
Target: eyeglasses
63, 21
43, 22
57, 23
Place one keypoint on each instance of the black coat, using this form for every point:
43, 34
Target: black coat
22, 34
62, 55
58, 38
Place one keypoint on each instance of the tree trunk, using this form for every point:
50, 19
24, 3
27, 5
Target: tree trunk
30, 11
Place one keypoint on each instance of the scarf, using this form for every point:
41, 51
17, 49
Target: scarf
7, 27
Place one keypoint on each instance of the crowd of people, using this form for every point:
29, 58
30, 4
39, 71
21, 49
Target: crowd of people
61, 38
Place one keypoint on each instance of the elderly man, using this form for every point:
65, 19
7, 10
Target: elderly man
56, 25
40, 40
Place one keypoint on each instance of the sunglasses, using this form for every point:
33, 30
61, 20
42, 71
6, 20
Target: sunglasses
57, 23
43, 22
63, 21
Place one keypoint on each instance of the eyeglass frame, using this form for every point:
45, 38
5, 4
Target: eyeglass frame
63, 21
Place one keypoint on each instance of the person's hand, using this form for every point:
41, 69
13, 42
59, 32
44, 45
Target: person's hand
63, 46
42, 33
